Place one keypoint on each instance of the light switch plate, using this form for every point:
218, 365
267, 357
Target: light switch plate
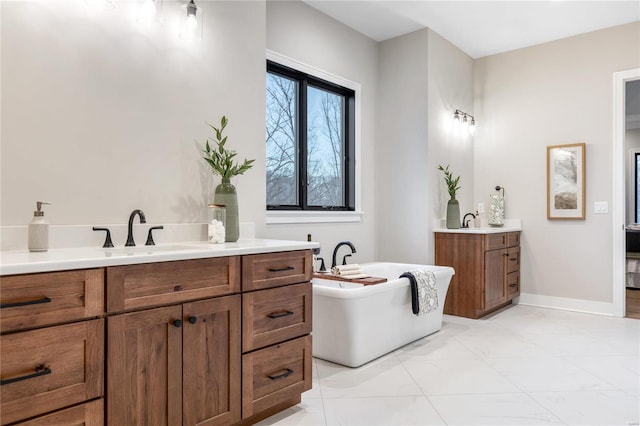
480, 207
601, 207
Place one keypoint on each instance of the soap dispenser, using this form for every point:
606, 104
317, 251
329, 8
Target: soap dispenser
38, 230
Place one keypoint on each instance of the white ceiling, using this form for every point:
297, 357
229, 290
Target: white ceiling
481, 28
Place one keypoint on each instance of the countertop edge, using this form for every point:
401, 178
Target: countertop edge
491, 230
24, 262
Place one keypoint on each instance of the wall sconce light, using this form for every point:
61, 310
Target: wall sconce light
148, 11
461, 118
192, 21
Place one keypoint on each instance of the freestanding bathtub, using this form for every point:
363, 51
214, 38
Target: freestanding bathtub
354, 324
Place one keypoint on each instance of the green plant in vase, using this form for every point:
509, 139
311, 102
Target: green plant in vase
223, 164
453, 208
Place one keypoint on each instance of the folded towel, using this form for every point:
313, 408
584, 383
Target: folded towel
424, 294
346, 269
348, 273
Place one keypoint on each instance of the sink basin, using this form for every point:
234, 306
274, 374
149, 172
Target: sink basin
131, 251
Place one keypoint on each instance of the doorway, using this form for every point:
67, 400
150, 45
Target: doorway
620, 168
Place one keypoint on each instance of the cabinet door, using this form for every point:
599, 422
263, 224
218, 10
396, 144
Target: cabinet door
494, 278
144, 368
211, 362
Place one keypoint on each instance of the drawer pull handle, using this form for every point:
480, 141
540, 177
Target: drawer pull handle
40, 371
513, 259
28, 302
280, 314
286, 268
513, 285
286, 373
192, 320
177, 323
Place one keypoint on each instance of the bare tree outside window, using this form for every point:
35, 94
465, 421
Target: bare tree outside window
282, 148
325, 136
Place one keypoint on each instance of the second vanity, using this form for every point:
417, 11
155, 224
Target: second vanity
197, 334
487, 265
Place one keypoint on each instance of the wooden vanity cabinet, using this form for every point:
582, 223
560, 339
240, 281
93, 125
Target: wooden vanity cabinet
235, 358
215, 341
52, 348
276, 339
487, 271
177, 364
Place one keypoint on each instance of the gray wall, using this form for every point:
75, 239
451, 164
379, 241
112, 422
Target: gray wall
101, 116
401, 180
554, 93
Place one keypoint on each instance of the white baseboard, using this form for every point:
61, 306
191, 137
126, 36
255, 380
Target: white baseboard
577, 305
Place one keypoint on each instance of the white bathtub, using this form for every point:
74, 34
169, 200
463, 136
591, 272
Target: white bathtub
354, 324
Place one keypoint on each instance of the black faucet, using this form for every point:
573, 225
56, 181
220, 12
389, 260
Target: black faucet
335, 251
133, 214
466, 224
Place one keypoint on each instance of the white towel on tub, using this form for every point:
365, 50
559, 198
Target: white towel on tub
346, 269
424, 293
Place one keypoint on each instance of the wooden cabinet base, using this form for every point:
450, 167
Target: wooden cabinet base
487, 269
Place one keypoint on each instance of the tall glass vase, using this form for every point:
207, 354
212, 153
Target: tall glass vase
453, 214
226, 195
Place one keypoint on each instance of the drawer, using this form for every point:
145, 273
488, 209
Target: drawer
495, 241
34, 300
274, 315
260, 271
50, 368
513, 285
275, 374
513, 259
513, 239
88, 414
153, 284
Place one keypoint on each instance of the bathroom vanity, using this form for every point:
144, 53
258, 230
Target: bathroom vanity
487, 268
177, 337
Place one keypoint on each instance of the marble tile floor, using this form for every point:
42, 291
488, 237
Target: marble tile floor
520, 366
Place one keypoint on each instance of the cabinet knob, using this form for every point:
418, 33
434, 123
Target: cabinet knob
177, 323
193, 320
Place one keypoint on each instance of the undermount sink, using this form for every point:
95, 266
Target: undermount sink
133, 250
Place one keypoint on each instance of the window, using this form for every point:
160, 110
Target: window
310, 137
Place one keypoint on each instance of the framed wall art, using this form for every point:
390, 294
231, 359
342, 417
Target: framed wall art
566, 181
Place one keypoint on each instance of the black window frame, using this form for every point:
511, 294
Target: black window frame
348, 161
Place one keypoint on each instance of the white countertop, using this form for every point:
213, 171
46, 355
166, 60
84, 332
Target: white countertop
481, 230
23, 261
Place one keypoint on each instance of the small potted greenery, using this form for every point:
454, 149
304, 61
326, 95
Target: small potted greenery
453, 208
223, 164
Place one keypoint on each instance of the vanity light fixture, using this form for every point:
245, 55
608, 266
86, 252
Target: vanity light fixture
465, 119
192, 21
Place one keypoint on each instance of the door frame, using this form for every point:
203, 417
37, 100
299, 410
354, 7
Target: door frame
619, 188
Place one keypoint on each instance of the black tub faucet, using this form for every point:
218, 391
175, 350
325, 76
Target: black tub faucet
465, 222
133, 214
335, 251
